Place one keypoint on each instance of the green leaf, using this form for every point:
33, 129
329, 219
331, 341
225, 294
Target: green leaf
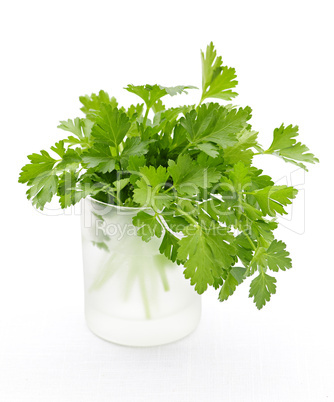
120, 184
93, 103
264, 229
234, 278
164, 117
42, 189
135, 111
149, 185
240, 176
73, 126
148, 224
111, 126
59, 148
209, 148
217, 80
179, 89
135, 162
259, 180
277, 256
175, 222
206, 254
261, 288
101, 245
241, 150
134, 146
216, 124
81, 128
99, 158
155, 178
169, 246
271, 199
250, 211
39, 165
284, 144
259, 260
135, 114
41, 173
70, 159
152, 93
187, 176
243, 248
158, 107
71, 191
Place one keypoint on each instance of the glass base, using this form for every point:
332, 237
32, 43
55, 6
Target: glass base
152, 332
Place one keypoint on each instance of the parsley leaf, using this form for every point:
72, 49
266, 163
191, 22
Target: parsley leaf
277, 256
241, 151
43, 188
148, 226
169, 246
152, 93
261, 288
99, 158
111, 126
216, 124
92, 104
39, 164
187, 176
217, 80
149, 185
271, 199
206, 254
285, 145
133, 146
234, 278
71, 190
41, 173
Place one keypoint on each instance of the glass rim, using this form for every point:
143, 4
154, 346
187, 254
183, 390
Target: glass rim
91, 199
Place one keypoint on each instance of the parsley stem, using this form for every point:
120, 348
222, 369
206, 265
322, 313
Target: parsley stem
250, 241
169, 189
267, 152
161, 221
143, 292
186, 148
146, 116
188, 216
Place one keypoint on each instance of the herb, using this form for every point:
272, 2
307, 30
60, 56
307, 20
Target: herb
191, 166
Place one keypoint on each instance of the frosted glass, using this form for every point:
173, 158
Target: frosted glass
133, 294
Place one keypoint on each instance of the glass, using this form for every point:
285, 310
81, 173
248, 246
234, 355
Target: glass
133, 294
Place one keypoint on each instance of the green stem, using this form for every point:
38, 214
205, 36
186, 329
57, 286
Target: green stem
146, 116
169, 189
160, 220
186, 148
107, 271
164, 279
160, 265
143, 292
130, 281
188, 216
250, 241
267, 152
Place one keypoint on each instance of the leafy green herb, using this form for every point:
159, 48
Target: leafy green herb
285, 145
189, 169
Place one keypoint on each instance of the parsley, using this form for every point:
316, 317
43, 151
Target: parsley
190, 167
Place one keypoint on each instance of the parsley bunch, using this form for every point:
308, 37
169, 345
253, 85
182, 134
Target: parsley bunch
191, 166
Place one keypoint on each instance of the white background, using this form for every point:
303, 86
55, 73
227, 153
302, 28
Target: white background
52, 52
